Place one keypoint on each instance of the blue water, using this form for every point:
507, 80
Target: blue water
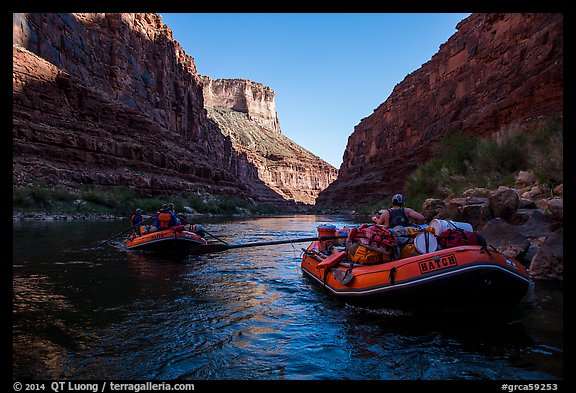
244, 314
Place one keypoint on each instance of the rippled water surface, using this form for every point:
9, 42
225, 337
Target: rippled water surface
248, 313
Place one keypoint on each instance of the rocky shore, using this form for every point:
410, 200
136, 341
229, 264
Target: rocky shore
524, 222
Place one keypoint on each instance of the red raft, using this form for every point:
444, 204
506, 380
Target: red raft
172, 240
455, 277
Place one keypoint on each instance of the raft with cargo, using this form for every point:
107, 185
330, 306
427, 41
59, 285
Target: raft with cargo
423, 271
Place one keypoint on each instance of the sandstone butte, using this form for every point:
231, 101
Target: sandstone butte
497, 70
113, 100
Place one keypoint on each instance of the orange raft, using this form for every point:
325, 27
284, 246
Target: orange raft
172, 240
463, 276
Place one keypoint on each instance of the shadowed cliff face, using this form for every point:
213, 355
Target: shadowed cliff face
65, 133
112, 99
497, 70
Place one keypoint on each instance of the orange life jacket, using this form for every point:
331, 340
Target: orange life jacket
164, 219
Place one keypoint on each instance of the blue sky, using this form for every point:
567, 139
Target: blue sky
328, 70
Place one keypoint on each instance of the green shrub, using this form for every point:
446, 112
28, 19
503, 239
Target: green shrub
31, 196
455, 150
149, 206
463, 162
96, 197
123, 201
546, 158
196, 203
40, 196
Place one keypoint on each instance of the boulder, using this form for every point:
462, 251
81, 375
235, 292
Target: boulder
548, 263
476, 192
558, 190
452, 209
504, 202
525, 179
536, 225
505, 238
431, 207
476, 212
556, 208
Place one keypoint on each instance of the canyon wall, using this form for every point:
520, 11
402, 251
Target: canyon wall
113, 100
497, 70
246, 112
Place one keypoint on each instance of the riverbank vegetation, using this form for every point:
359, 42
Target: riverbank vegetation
122, 201
465, 162
462, 162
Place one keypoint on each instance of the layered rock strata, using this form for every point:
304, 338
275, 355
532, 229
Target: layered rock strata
245, 112
497, 70
245, 96
113, 100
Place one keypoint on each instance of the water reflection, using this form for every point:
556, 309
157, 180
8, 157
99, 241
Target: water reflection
243, 314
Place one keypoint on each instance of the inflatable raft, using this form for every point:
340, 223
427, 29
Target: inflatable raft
173, 240
455, 277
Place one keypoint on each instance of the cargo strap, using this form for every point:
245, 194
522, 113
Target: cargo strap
392, 275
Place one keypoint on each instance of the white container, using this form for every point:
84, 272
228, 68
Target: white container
425, 242
440, 226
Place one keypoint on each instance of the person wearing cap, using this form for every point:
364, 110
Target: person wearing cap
137, 220
398, 214
166, 218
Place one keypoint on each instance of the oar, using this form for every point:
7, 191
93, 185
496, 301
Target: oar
124, 231
209, 248
215, 237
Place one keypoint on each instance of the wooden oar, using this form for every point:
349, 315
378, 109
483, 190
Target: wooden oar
210, 248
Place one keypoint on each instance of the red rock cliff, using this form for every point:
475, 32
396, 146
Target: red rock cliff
243, 95
496, 70
246, 112
112, 99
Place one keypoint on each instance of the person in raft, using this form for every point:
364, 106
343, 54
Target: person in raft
137, 220
166, 218
398, 214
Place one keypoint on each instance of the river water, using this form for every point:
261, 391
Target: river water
81, 312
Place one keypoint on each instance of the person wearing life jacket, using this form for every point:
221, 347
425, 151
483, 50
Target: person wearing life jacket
188, 226
398, 215
136, 220
166, 218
